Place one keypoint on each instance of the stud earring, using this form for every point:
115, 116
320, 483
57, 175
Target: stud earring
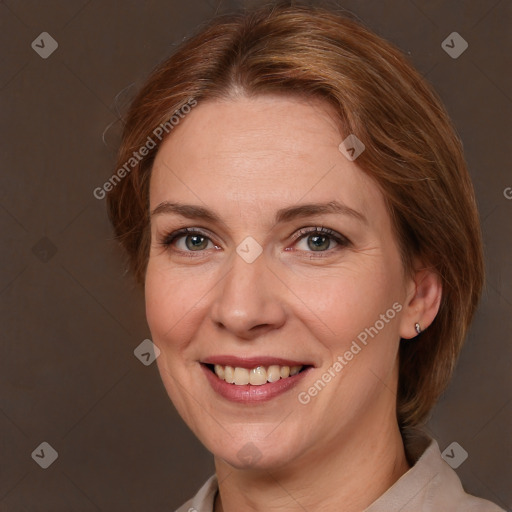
417, 327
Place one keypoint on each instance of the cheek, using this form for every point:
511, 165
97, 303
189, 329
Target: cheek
172, 306
166, 305
175, 300
345, 302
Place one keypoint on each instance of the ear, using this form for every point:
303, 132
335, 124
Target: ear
424, 292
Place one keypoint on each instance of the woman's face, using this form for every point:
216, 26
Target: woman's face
252, 286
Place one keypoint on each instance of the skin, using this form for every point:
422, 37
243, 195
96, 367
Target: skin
245, 159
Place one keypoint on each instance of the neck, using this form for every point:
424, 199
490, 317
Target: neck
353, 470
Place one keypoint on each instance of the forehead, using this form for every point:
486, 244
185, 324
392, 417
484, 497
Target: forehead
262, 152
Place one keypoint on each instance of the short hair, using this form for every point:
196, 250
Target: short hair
412, 152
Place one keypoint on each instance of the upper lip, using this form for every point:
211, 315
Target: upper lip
252, 362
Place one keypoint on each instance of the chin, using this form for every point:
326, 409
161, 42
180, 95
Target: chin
252, 454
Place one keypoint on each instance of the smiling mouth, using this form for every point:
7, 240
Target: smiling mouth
256, 376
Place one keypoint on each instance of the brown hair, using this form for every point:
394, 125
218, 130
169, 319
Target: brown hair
412, 153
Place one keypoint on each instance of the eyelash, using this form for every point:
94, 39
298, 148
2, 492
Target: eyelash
341, 240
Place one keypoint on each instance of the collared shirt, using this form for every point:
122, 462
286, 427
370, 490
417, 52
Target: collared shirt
430, 485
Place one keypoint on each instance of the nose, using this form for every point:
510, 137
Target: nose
247, 300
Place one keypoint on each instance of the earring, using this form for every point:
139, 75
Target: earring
417, 327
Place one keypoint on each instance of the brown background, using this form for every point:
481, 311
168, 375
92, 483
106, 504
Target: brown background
70, 318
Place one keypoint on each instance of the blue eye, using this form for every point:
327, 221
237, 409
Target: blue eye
312, 240
319, 239
195, 242
188, 240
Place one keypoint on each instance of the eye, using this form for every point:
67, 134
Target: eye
319, 239
314, 239
188, 240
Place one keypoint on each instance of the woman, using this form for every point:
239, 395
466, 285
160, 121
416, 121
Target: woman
295, 201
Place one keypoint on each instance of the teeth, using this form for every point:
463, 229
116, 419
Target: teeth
273, 373
229, 374
294, 370
241, 376
219, 370
256, 376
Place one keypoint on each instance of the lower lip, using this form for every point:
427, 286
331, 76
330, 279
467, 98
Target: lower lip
252, 394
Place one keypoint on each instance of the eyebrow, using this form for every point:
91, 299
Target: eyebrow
283, 215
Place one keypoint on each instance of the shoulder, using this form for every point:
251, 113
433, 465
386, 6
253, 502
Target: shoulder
203, 500
446, 488
430, 485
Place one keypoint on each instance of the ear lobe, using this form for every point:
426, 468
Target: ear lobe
423, 302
